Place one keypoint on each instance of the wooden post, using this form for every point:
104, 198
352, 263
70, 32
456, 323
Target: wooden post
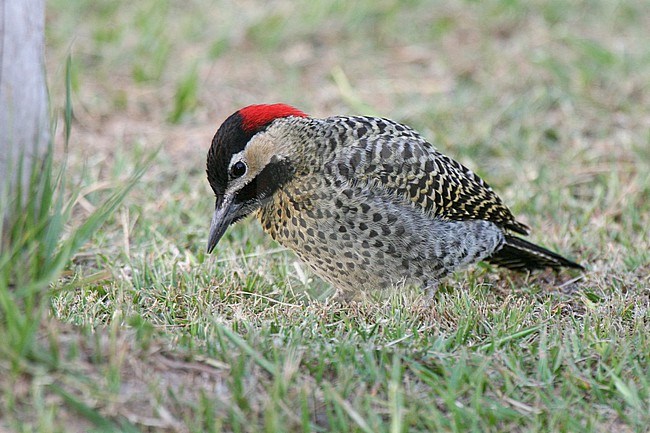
24, 114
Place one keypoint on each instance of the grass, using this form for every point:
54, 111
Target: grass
142, 331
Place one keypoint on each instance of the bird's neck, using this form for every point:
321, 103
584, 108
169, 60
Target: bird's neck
305, 143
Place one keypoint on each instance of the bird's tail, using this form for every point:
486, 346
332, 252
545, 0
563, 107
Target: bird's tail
521, 255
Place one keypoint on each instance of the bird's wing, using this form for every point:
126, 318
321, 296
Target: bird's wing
395, 157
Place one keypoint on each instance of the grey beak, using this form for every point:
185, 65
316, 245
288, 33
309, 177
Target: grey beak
224, 214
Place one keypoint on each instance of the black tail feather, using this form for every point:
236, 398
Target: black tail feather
521, 255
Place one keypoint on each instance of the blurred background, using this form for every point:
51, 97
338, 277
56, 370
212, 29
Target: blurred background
495, 71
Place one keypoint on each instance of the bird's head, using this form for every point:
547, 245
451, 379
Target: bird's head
247, 162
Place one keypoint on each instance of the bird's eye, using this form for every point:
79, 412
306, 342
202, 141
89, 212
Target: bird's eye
238, 169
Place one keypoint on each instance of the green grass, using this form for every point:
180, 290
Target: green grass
143, 331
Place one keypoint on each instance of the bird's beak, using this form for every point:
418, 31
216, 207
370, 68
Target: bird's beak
224, 214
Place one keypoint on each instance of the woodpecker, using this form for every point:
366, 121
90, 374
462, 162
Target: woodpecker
366, 202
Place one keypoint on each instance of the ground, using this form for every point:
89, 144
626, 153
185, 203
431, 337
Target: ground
546, 100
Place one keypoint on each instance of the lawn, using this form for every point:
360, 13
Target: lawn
141, 330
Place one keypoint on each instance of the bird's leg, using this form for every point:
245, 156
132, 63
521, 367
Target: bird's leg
430, 290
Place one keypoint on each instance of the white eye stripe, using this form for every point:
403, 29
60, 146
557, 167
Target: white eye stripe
236, 158
238, 165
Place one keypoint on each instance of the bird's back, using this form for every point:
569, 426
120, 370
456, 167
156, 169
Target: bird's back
386, 154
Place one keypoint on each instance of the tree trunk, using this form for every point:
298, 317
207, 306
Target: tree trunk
24, 117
